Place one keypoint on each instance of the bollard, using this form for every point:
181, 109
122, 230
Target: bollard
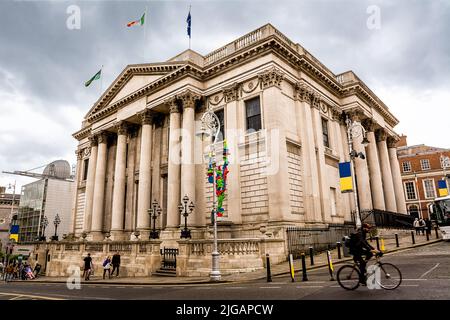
396, 240
305, 277
330, 266
291, 266
382, 245
436, 231
378, 242
311, 255
428, 235
269, 275
412, 237
338, 245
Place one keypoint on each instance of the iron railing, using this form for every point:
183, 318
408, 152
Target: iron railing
169, 259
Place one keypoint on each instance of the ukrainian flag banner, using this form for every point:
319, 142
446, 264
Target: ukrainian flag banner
345, 176
442, 186
14, 233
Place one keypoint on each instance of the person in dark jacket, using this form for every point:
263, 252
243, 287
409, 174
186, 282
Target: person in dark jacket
428, 225
115, 263
362, 249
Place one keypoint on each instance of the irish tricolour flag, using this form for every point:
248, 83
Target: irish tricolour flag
137, 22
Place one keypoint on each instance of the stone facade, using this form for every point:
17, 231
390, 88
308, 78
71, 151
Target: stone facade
283, 173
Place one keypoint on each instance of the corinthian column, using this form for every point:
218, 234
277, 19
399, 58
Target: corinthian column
376, 184
173, 166
79, 154
90, 184
99, 189
118, 203
145, 180
396, 175
187, 149
388, 185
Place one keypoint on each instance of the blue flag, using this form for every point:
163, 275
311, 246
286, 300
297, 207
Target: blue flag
188, 20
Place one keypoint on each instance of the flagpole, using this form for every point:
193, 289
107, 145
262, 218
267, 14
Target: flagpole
101, 80
190, 31
145, 29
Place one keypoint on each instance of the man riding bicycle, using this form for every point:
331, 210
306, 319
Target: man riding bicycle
359, 248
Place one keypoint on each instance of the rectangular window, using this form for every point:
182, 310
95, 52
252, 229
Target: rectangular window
406, 166
221, 115
253, 114
410, 190
425, 164
428, 186
85, 169
326, 141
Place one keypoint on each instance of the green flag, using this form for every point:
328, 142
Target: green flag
95, 77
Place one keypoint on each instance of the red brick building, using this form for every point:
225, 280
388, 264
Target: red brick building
421, 168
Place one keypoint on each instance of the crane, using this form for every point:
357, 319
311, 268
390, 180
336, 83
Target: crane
50, 175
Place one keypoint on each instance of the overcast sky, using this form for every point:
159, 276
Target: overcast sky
44, 64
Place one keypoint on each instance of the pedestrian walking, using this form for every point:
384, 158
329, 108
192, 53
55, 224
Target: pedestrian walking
422, 226
37, 269
88, 266
428, 225
116, 263
107, 267
416, 226
9, 272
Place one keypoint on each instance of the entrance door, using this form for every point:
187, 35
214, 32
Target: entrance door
414, 211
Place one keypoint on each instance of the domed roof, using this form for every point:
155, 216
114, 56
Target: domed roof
59, 169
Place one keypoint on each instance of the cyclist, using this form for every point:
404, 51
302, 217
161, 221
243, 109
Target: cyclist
360, 247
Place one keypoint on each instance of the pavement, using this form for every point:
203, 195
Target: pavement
320, 262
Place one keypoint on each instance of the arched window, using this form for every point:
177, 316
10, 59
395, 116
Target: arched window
413, 210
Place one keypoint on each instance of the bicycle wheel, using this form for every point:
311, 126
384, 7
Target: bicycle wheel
390, 276
348, 277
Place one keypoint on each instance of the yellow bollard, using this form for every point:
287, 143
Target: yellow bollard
330, 265
382, 245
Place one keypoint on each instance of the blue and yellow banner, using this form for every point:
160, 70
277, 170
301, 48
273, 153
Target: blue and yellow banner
345, 177
14, 233
442, 187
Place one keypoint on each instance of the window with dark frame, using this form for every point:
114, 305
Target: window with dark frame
326, 140
221, 115
85, 169
253, 114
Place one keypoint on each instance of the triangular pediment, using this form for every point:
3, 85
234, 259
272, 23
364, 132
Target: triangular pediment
131, 79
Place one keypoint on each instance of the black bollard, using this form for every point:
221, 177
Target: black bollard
338, 245
396, 240
305, 276
436, 232
412, 237
311, 255
378, 242
269, 275
428, 235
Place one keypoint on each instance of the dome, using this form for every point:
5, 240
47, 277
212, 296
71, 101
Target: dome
59, 169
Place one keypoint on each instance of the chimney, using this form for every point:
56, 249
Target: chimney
402, 142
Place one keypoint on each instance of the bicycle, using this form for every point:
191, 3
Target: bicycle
390, 277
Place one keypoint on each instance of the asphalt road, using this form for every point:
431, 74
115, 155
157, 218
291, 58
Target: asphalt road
426, 276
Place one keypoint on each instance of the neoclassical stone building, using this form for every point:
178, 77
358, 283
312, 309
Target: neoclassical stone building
283, 116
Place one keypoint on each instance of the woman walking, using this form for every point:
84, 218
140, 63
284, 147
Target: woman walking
107, 267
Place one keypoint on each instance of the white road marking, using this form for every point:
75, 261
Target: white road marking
120, 287
138, 287
310, 287
270, 287
203, 288
415, 279
234, 287
437, 265
409, 285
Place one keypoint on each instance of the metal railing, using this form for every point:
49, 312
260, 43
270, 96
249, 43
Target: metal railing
169, 259
386, 219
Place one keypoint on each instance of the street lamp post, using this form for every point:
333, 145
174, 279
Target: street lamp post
154, 212
56, 222
354, 130
44, 225
185, 211
211, 127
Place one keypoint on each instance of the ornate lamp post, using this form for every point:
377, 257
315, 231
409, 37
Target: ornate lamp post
211, 127
44, 223
154, 212
354, 130
185, 211
56, 222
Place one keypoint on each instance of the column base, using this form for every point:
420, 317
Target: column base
118, 235
95, 236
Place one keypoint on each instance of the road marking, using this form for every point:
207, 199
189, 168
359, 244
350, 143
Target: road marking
437, 265
270, 287
203, 288
415, 279
138, 287
28, 295
121, 287
310, 287
409, 285
234, 287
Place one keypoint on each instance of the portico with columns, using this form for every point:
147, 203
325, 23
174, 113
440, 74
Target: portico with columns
138, 143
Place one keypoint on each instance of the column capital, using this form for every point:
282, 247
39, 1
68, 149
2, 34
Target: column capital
231, 92
188, 98
302, 92
146, 116
315, 100
355, 114
369, 124
93, 139
381, 135
121, 127
102, 137
270, 77
79, 154
336, 113
392, 141
172, 104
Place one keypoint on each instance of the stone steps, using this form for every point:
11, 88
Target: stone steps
165, 272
